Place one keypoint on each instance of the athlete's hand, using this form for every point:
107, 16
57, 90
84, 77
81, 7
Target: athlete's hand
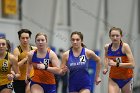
10, 77
97, 80
27, 80
105, 71
111, 63
40, 66
64, 70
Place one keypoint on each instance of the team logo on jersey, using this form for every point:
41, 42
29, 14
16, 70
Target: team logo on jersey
82, 58
4, 66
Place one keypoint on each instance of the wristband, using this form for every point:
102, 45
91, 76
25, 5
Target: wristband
46, 66
14, 77
117, 64
29, 79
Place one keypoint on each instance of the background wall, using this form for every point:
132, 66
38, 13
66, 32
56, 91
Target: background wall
10, 28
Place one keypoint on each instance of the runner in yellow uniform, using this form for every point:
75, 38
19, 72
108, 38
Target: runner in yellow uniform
7, 61
21, 85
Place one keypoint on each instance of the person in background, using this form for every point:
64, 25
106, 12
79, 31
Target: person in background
76, 59
21, 85
45, 63
7, 62
119, 57
62, 78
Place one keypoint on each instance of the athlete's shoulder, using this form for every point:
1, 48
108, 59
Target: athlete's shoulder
12, 57
51, 53
106, 45
88, 51
66, 54
16, 49
34, 47
125, 45
30, 53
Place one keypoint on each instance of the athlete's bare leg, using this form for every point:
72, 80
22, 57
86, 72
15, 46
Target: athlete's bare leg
113, 87
6, 90
84, 91
28, 88
128, 88
35, 88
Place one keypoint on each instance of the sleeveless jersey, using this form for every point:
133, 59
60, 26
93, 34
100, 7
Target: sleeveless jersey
42, 76
118, 56
23, 68
78, 68
5, 68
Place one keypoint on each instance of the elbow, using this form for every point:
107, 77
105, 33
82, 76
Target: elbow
99, 60
133, 66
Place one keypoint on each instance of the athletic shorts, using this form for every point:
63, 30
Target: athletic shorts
19, 86
76, 87
121, 82
8, 86
48, 88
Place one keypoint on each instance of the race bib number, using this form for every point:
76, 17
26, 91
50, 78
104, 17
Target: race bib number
82, 58
46, 61
119, 59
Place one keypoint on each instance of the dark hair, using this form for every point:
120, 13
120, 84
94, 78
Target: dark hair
61, 50
24, 31
80, 35
115, 28
38, 34
8, 45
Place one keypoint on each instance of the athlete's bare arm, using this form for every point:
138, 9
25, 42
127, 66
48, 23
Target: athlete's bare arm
126, 49
16, 54
15, 66
92, 55
105, 70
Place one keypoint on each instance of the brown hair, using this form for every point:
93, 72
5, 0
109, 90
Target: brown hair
38, 34
80, 35
115, 28
8, 45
